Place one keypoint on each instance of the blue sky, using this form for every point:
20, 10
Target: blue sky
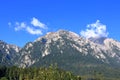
22, 21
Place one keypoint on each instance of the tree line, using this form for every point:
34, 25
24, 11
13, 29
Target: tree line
42, 73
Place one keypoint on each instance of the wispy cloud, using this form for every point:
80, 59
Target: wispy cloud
20, 26
36, 27
96, 29
9, 23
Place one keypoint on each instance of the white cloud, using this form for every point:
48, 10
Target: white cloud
35, 29
35, 22
20, 26
96, 29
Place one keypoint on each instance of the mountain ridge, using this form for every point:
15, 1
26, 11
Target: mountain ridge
8, 52
58, 40
69, 50
107, 43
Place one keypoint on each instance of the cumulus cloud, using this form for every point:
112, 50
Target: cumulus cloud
34, 31
35, 22
36, 27
94, 30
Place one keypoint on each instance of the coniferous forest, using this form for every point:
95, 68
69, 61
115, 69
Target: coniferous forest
44, 73
50, 73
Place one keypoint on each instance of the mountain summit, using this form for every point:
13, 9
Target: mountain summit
65, 48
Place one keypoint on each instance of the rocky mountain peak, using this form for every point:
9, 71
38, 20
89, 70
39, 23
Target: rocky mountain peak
110, 43
58, 35
67, 45
8, 53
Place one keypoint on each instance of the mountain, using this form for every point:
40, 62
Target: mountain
61, 46
69, 51
8, 53
99, 40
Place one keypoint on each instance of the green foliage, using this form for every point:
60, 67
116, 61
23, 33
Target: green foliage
47, 73
3, 78
50, 73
